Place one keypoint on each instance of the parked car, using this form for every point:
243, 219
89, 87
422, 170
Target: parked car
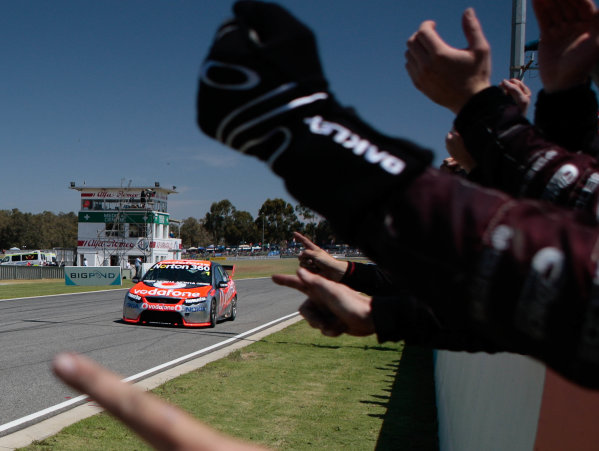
29, 258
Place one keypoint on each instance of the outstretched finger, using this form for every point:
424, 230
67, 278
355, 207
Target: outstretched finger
308, 259
322, 291
545, 12
160, 424
515, 87
310, 254
270, 20
290, 281
521, 85
305, 241
428, 39
577, 10
473, 31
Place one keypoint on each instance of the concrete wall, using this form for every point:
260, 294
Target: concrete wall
487, 402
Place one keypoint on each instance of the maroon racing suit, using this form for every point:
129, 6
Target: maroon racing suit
496, 270
398, 315
497, 273
555, 115
513, 156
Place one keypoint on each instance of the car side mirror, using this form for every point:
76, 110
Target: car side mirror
135, 280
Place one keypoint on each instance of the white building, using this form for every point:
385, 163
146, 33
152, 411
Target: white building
117, 225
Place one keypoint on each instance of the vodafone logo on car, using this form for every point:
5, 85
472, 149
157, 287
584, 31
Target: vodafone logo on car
160, 307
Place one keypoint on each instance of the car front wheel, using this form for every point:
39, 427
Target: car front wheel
213, 313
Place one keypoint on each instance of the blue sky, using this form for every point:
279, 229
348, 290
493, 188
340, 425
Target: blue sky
103, 92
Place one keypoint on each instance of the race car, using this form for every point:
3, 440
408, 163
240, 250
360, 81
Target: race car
192, 293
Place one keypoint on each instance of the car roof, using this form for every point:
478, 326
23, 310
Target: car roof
185, 262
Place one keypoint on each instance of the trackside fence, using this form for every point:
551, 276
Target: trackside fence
9, 272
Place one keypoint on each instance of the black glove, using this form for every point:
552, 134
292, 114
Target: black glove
262, 92
260, 63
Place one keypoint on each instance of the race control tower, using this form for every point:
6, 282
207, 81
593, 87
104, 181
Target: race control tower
116, 225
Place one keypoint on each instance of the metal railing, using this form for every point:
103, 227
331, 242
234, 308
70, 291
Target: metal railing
11, 272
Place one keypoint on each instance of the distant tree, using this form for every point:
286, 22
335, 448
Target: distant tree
206, 238
310, 219
323, 233
47, 233
309, 230
279, 220
305, 213
241, 229
18, 232
192, 232
37, 231
60, 230
218, 218
65, 234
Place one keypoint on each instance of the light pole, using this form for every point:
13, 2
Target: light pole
518, 38
262, 230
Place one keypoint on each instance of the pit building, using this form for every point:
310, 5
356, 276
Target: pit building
116, 225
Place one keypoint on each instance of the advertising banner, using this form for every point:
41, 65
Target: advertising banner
125, 216
92, 275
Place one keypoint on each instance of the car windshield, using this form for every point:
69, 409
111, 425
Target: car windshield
172, 272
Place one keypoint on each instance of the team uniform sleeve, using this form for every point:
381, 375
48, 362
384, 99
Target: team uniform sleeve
569, 118
369, 279
514, 156
402, 317
501, 273
520, 274
504, 272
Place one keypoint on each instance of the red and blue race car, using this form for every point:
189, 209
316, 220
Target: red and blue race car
192, 293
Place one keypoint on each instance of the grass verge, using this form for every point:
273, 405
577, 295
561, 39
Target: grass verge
295, 389
46, 287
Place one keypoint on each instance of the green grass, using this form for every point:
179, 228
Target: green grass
295, 390
262, 268
26, 288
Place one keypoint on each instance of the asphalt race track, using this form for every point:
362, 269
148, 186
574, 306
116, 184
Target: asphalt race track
33, 330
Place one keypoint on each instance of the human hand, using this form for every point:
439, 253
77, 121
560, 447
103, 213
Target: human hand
456, 148
519, 92
569, 42
331, 307
447, 75
263, 64
317, 260
450, 166
162, 425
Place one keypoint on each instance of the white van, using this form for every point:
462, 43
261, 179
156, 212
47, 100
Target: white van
29, 258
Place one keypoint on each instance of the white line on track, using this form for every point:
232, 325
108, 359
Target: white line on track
78, 399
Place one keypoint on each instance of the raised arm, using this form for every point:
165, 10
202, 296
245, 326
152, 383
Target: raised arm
445, 74
518, 274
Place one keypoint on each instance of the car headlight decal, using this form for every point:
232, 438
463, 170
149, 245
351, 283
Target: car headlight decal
193, 301
134, 297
